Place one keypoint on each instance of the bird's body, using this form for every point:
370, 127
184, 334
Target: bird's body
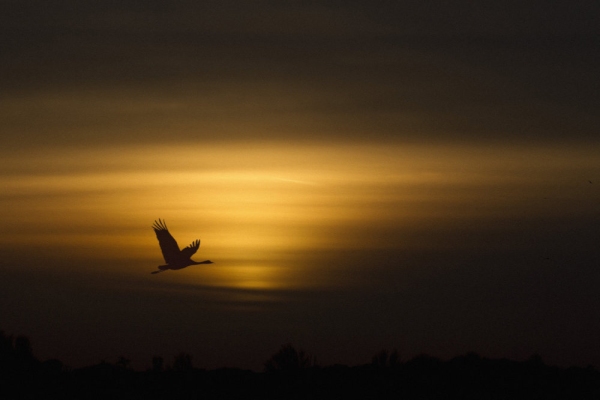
175, 258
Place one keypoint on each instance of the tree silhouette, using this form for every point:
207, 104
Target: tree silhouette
288, 359
183, 362
23, 346
123, 362
16, 353
7, 352
157, 363
6, 344
380, 359
385, 359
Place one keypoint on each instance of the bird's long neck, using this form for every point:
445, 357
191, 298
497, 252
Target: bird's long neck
202, 262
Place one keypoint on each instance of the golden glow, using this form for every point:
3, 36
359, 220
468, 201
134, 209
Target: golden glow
252, 205
247, 275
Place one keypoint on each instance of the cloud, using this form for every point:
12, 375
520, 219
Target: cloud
80, 72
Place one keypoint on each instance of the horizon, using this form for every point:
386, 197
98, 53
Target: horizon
298, 358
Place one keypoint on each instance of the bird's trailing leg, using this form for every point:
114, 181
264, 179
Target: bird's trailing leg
161, 268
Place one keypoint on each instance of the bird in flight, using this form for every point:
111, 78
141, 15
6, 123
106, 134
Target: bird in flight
175, 258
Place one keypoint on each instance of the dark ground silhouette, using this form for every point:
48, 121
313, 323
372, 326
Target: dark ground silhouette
293, 374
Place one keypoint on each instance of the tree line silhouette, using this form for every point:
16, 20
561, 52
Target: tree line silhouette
293, 374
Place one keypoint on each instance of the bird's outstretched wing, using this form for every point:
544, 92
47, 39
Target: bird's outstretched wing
167, 243
191, 249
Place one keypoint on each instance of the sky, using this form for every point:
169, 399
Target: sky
365, 175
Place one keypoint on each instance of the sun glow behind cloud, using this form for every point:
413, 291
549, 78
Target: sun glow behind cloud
260, 209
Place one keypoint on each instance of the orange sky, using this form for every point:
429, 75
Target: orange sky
254, 206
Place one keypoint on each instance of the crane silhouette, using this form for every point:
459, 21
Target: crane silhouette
175, 258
